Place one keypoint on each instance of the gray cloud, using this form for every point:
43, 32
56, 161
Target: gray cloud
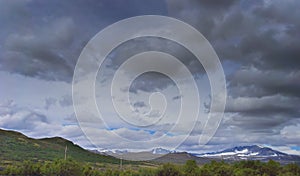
177, 97
71, 118
66, 100
34, 123
254, 82
260, 41
49, 102
41, 54
274, 104
261, 34
218, 4
150, 81
47, 46
16, 118
139, 104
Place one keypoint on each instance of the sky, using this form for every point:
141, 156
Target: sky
257, 43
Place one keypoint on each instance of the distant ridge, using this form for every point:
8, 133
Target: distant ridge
252, 152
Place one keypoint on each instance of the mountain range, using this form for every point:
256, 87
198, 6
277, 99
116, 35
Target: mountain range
252, 152
15, 146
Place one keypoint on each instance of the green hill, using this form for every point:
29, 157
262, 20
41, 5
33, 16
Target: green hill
15, 146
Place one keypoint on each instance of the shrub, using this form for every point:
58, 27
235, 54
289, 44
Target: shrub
168, 170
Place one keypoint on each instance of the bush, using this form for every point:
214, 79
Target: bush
72, 167
168, 170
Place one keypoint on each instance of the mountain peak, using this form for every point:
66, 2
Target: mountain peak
251, 152
160, 150
246, 151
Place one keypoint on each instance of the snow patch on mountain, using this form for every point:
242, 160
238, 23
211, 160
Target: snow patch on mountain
160, 151
245, 152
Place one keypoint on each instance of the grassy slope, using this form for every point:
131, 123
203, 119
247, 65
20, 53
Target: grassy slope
15, 146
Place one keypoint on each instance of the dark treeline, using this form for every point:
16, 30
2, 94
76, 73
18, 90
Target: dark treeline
73, 168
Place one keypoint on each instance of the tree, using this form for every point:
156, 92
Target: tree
168, 170
292, 169
191, 168
246, 172
271, 168
30, 168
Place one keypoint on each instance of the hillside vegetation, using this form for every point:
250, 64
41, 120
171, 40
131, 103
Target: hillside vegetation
73, 168
15, 146
20, 155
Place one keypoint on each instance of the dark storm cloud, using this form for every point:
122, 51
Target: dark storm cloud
217, 4
259, 123
150, 82
177, 97
276, 103
272, 49
259, 40
262, 34
139, 104
205, 15
262, 40
41, 53
258, 83
50, 48
153, 81
43, 39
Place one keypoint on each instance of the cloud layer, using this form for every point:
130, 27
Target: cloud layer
256, 41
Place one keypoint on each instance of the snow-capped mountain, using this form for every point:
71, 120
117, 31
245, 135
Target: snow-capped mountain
155, 151
246, 151
160, 151
109, 152
252, 152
